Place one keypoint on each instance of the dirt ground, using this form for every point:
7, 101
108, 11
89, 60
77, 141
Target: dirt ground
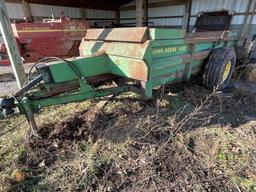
7, 79
187, 140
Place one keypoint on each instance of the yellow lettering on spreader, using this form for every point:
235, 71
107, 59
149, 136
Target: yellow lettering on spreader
168, 50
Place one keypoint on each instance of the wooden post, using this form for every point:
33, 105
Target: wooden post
26, 9
187, 14
145, 11
11, 46
245, 26
251, 19
118, 16
139, 13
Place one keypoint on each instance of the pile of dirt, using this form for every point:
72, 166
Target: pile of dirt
174, 168
144, 167
56, 137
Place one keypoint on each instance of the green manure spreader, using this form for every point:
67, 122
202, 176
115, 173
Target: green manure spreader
137, 59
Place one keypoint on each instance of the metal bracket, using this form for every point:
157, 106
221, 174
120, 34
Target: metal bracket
30, 117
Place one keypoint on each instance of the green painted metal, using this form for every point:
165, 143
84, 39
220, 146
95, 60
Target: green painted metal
87, 66
75, 97
152, 56
158, 33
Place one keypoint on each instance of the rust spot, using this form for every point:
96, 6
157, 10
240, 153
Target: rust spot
207, 36
132, 34
139, 70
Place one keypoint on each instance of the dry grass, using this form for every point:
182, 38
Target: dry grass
250, 73
188, 141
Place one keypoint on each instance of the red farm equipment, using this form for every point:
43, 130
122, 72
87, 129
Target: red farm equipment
53, 37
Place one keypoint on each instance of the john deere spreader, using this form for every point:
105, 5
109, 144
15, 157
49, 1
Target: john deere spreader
137, 59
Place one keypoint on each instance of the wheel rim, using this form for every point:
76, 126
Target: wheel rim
226, 71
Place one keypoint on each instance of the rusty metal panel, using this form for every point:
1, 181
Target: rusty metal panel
134, 50
187, 58
129, 67
38, 40
73, 28
96, 34
207, 36
90, 47
138, 34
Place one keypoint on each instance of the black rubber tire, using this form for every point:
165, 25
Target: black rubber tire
215, 67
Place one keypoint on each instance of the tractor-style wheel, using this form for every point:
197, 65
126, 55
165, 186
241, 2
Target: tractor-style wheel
220, 68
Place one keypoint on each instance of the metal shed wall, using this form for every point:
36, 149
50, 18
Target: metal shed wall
38, 11
15, 10
94, 15
154, 12
125, 16
166, 11
238, 6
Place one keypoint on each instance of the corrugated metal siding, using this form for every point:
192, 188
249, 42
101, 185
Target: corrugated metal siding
38, 10
100, 14
15, 10
94, 14
237, 6
166, 11
128, 14
155, 12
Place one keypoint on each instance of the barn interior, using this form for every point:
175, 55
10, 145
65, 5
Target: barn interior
127, 95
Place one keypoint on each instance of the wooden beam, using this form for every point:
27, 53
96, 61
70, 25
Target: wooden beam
145, 12
26, 9
245, 26
245, 13
139, 13
12, 1
186, 17
11, 46
67, 3
118, 15
251, 19
92, 4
